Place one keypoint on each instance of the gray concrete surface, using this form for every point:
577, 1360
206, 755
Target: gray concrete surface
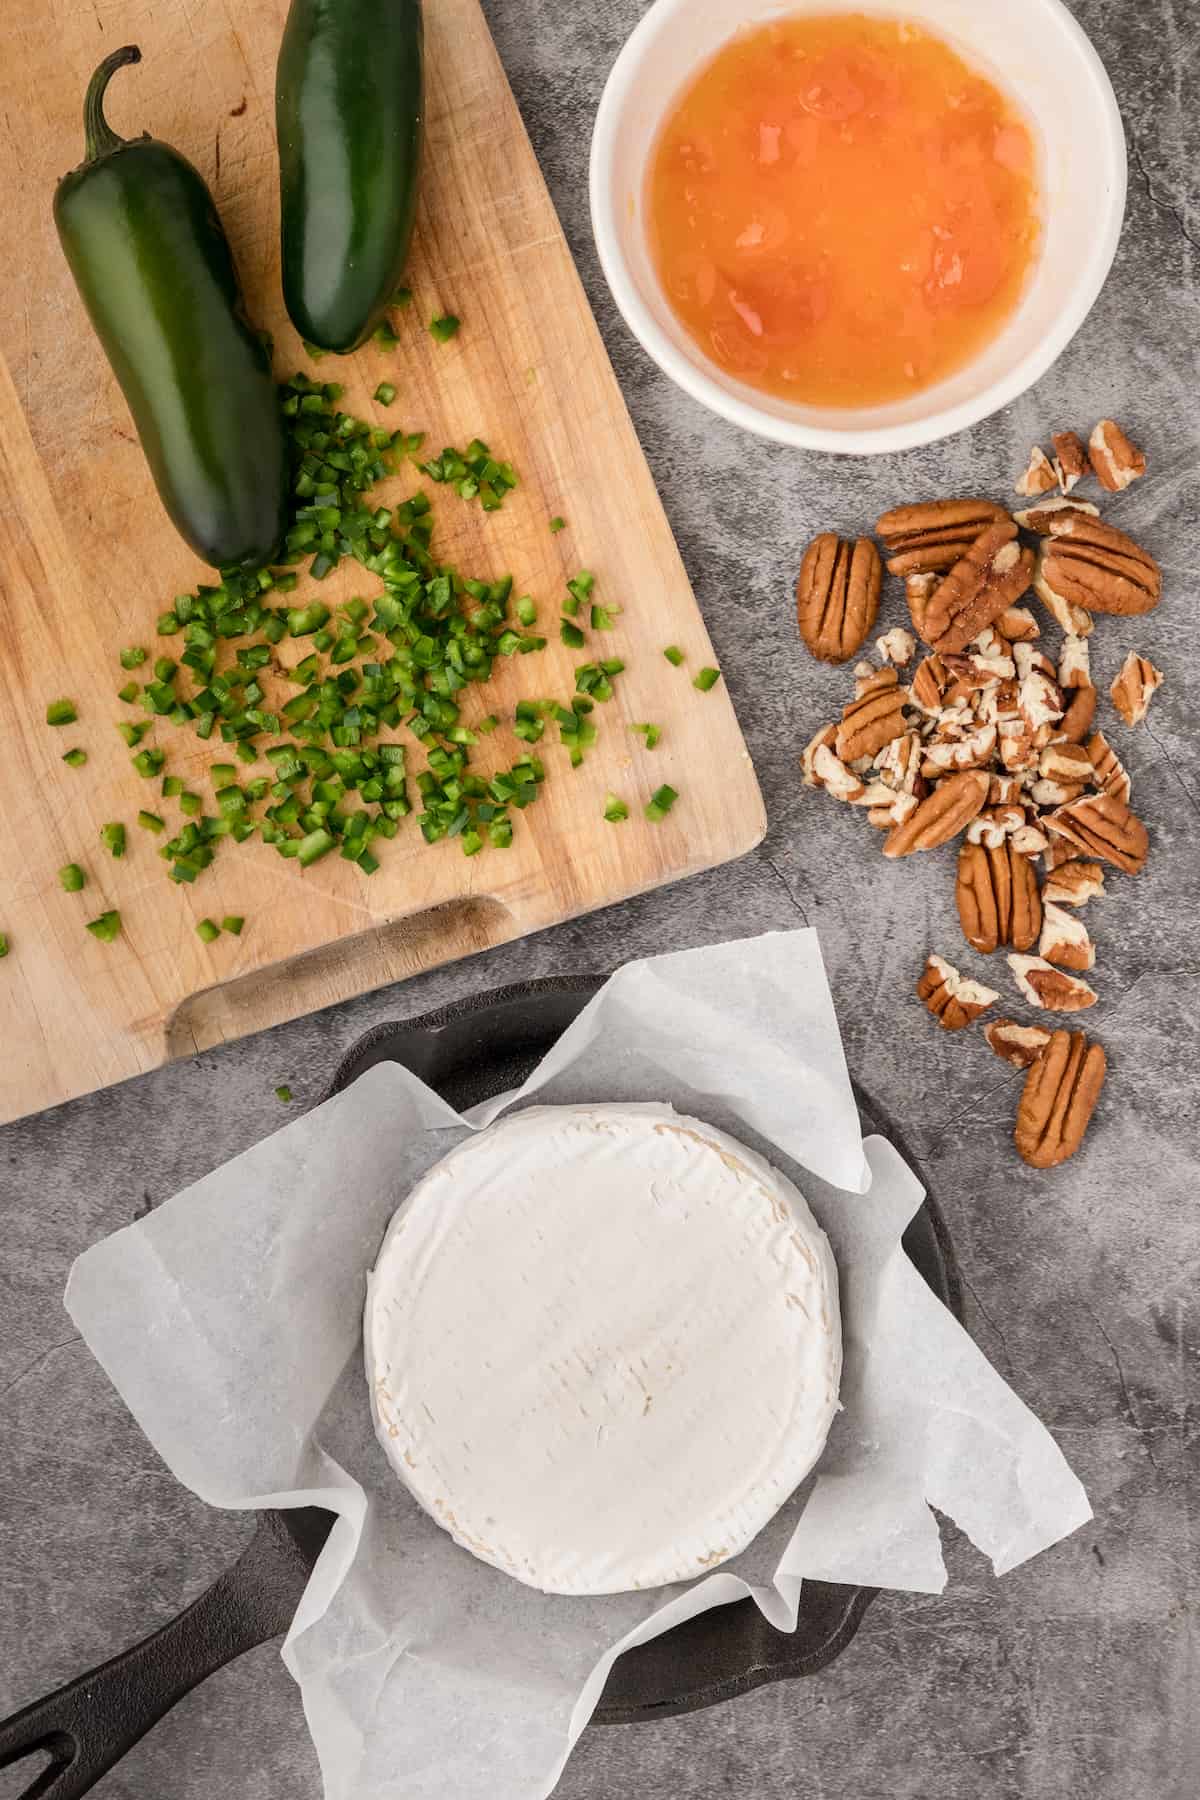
1076, 1677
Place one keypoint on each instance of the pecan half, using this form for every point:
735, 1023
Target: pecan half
1116, 461
935, 533
993, 574
896, 646
997, 896
1061, 1091
873, 718
1020, 1045
1050, 988
1077, 720
941, 815
1037, 518
1103, 826
1134, 688
1070, 459
837, 596
1089, 564
1074, 884
1108, 771
1039, 477
952, 999
1065, 940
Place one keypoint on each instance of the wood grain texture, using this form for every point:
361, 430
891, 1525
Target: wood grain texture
88, 560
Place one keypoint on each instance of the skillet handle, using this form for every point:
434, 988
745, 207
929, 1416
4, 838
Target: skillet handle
89, 1724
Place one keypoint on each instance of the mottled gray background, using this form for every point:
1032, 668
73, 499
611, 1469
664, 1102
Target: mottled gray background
1077, 1677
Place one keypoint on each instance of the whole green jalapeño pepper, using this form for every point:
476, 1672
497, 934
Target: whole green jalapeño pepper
154, 269
349, 100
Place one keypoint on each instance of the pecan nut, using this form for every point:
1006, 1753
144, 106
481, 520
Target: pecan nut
1060, 1095
1075, 663
823, 740
830, 773
1070, 459
1074, 883
1116, 461
935, 533
997, 896
1086, 563
952, 999
1134, 687
1103, 826
1039, 476
993, 574
1109, 773
1077, 720
1065, 940
896, 646
837, 596
873, 718
1037, 518
1018, 625
918, 591
1020, 1045
943, 813
1054, 990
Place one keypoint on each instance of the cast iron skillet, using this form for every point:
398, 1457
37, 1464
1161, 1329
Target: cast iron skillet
467, 1052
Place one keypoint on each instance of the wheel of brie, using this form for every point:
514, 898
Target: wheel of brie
603, 1346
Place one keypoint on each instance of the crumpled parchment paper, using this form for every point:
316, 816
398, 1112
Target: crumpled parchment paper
229, 1320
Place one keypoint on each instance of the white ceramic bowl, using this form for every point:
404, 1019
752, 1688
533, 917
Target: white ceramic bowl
1034, 50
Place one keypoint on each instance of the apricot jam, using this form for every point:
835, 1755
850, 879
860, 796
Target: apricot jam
840, 210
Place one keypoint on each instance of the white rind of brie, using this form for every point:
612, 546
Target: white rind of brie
603, 1346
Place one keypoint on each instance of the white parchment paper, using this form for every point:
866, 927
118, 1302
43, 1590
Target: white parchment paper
229, 1321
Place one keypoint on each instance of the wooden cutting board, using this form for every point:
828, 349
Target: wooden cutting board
88, 560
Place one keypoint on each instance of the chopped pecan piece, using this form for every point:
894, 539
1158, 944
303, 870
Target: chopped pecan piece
1116, 461
1055, 852
1005, 790
1068, 763
1039, 476
1020, 1045
1037, 518
1070, 459
1064, 940
975, 751
942, 814
837, 596
896, 646
934, 533
1074, 663
1134, 687
873, 718
1039, 697
918, 591
1074, 883
995, 823
1061, 1091
1018, 625
832, 774
1103, 825
930, 684
1077, 720
1089, 564
1054, 990
1109, 773
952, 999
993, 574
899, 764
997, 896
1029, 841
824, 739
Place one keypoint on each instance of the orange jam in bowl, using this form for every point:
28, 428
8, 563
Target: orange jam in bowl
840, 211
